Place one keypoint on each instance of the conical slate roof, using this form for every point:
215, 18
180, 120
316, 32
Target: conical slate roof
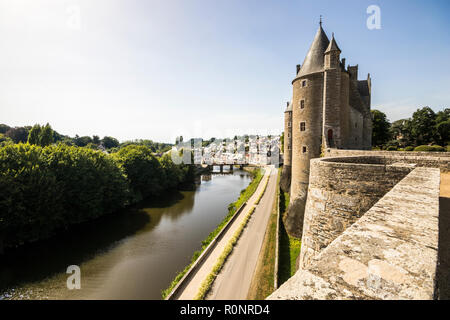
289, 107
333, 46
314, 59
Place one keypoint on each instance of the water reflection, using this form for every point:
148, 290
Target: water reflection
133, 254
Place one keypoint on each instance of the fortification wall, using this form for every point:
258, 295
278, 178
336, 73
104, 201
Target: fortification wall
439, 160
389, 253
340, 191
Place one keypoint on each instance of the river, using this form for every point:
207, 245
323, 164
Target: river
133, 254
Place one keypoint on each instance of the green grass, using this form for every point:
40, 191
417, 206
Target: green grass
289, 248
262, 193
263, 280
207, 283
244, 196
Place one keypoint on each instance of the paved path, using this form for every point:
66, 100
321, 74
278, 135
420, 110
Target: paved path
233, 282
190, 287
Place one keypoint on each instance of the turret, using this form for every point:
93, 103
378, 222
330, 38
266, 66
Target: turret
353, 71
332, 55
285, 182
331, 134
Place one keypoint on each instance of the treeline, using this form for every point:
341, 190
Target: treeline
45, 135
45, 189
426, 130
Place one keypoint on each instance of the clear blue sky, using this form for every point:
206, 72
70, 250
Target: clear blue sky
158, 69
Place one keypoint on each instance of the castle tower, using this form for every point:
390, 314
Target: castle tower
330, 109
331, 134
285, 181
307, 109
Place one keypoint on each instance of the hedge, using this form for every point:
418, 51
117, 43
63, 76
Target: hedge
430, 148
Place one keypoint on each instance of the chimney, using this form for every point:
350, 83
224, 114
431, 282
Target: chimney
298, 68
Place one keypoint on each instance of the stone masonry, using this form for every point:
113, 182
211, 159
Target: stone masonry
330, 108
391, 252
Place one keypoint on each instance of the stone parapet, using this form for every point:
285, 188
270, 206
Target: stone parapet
391, 252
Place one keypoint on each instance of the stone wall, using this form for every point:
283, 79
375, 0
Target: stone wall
421, 159
340, 191
356, 123
389, 253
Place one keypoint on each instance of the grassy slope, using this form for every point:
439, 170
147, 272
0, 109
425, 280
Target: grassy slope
289, 246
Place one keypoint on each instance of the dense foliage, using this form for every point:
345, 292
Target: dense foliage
424, 128
45, 135
45, 189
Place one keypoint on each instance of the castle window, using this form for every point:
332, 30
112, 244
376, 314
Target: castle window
304, 83
289, 124
289, 135
302, 126
289, 147
302, 104
304, 149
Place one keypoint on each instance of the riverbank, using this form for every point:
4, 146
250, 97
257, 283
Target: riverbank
245, 194
130, 255
53, 188
234, 280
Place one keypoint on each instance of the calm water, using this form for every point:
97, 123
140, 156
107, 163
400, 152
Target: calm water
130, 255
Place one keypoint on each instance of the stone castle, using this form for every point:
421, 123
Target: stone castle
372, 223
330, 108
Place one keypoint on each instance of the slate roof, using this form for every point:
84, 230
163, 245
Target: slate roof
314, 60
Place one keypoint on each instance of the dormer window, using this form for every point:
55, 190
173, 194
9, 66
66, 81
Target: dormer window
303, 83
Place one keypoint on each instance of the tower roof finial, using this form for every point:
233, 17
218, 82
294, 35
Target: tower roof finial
320, 21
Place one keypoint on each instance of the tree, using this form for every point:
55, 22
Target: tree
380, 131
443, 115
4, 128
17, 134
423, 126
443, 131
110, 142
96, 140
144, 172
46, 136
401, 130
4, 140
442, 127
82, 141
34, 135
